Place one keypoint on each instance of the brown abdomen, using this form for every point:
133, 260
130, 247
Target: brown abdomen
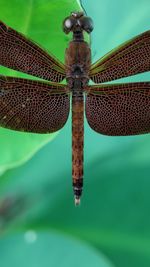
78, 60
77, 142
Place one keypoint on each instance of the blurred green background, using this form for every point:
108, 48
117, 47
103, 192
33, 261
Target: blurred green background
39, 224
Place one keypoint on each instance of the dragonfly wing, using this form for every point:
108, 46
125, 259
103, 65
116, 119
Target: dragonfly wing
119, 109
32, 106
130, 58
19, 53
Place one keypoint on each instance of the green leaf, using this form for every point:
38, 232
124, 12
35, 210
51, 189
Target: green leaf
48, 249
42, 22
16, 148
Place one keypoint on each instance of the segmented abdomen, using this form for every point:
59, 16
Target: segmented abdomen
77, 141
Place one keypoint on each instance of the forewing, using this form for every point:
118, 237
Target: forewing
130, 58
19, 53
119, 109
32, 106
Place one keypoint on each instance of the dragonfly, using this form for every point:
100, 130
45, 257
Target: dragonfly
117, 109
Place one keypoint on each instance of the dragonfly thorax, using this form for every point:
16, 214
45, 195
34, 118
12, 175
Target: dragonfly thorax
77, 62
77, 79
77, 70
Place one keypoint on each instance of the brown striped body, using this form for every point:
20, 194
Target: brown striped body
78, 60
41, 107
77, 142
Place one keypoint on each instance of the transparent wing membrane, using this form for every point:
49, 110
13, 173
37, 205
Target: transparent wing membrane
32, 106
19, 53
128, 59
119, 109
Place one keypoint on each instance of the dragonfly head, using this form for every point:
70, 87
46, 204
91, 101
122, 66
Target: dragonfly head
77, 23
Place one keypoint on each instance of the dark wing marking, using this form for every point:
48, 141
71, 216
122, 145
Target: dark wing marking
119, 109
19, 53
130, 58
32, 106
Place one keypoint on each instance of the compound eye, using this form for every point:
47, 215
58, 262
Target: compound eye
68, 24
87, 24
